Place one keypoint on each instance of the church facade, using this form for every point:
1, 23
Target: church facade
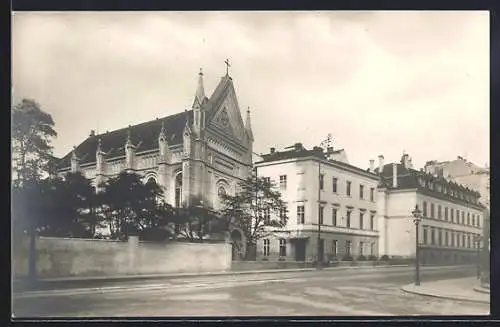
195, 155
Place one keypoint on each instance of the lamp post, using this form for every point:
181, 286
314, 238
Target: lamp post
319, 260
417, 217
477, 242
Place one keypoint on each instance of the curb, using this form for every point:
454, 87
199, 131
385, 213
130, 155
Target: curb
481, 289
407, 289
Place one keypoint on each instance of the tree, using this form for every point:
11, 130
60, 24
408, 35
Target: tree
257, 209
194, 222
32, 131
132, 207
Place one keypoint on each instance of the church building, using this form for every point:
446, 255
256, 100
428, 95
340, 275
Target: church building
195, 154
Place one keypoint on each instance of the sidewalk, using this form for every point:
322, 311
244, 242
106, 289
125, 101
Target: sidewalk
460, 289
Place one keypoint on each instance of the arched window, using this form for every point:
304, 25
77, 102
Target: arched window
221, 191
151, 180
178, 190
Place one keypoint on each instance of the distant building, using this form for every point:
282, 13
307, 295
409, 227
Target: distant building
346, 207
452, 215
463, 172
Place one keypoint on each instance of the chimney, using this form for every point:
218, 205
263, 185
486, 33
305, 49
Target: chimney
372, 165
92, 133
394, 175
273, 150
380, 163
298, 146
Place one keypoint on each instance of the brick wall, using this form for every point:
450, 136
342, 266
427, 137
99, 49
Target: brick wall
70, 257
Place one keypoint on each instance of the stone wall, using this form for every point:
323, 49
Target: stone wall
71, 257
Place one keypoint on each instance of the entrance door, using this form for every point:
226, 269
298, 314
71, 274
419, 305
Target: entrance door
300, 250
321, 250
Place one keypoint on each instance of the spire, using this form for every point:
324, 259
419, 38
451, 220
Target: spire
248, 124
163, 133
200, 91
99, 145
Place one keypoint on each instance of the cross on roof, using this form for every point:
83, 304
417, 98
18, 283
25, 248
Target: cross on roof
227, 66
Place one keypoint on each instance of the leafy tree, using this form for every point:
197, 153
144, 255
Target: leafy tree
32, 131
257, 209
194, 222
132, 207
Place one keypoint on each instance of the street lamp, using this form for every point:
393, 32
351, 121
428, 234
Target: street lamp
477, 241
319, 260
417, 217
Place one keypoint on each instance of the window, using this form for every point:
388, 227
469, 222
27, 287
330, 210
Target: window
348, 219
372, 194
361, 245
452, 239
267, 180
425, 235
283, 182
283, 215
372, 248
432, 210
469, 241
282, 248
452, 215
361, 215
440, 237
463, 240
468, 218
478, 221
433, 238
424, 209
446, 213
463, 218
266, 247
178, 190
221, 191
361, 191
334, 216
334, 185
372, 221
446, 238
439, 211
267, 216
321, 210
300, 214
457, 216
334, 248
348, 247
321, 181
473, 220
348, 188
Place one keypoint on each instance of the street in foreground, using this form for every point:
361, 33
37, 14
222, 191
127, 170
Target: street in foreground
354, 292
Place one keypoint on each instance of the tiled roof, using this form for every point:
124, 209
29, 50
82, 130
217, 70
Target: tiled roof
145, 135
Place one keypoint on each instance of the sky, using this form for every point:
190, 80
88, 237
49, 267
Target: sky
379, 82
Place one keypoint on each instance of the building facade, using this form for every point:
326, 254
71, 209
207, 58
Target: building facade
452, 216
194, 155
321, 188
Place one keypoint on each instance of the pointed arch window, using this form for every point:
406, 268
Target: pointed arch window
178, 190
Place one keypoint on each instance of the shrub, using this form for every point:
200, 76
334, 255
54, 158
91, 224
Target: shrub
372, 258
361, 258
385, 257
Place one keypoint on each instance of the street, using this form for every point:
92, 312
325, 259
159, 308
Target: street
351, 292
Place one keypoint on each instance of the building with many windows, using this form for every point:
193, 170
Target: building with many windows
452, 216
321, 188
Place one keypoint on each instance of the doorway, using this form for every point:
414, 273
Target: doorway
300, 250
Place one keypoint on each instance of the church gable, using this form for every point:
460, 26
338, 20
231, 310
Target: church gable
224, 116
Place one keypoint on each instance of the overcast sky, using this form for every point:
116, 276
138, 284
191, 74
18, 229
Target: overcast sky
379, 82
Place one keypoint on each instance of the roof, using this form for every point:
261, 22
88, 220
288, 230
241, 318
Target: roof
409, 179
144, 135
300, 152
